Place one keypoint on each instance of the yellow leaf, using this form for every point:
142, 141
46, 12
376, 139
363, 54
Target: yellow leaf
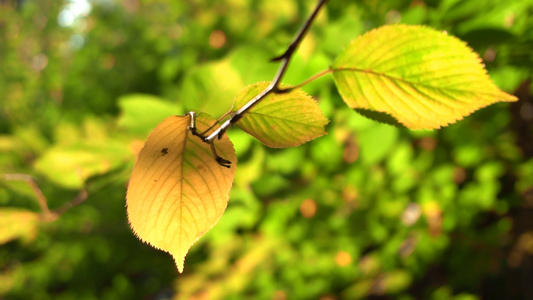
281, 120
17, 223
177, 191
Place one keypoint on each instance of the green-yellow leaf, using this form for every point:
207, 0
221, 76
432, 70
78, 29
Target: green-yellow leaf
423, 78
17, 224
141, 112
210, 87
177, 191
281, 120
71, 165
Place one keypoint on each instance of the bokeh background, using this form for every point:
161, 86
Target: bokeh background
368, 211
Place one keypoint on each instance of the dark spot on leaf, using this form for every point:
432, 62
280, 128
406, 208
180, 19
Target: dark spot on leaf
164, 151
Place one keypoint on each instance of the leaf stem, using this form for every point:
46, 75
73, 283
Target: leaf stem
285, 59
308, 80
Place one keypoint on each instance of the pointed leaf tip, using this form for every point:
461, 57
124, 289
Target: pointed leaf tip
423, 78
179, 262
177, 191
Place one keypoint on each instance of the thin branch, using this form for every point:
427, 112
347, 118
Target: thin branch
274, 86
194, 131
286, 57
79, 199
225, 115
47, 214
41, 199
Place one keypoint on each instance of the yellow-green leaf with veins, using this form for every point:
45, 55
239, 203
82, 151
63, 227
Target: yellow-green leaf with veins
423, 78
177, 191
281, 120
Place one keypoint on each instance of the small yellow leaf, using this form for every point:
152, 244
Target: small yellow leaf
281, 120
177, 191
17, 223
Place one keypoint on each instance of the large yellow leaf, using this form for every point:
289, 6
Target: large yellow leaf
423, 78
177, 191
281, 120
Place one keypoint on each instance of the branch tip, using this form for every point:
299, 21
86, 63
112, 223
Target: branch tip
278, 58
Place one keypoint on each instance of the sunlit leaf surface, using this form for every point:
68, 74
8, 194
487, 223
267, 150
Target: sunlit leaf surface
71, 165
281, 120
142, 112
17, 223
177, 191
423, 78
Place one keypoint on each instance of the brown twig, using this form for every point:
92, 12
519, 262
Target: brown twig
41, 199
47, 214
80, 198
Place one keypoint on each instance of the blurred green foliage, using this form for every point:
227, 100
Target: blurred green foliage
366, 211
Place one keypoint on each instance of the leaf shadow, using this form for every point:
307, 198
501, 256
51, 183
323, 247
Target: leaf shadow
379, 116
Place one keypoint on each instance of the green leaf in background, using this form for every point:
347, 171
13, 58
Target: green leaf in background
423, 78
70, 165
210, 87
141, 113
376, 143
281, 120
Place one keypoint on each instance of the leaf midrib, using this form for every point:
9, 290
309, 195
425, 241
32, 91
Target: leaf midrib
369, 71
